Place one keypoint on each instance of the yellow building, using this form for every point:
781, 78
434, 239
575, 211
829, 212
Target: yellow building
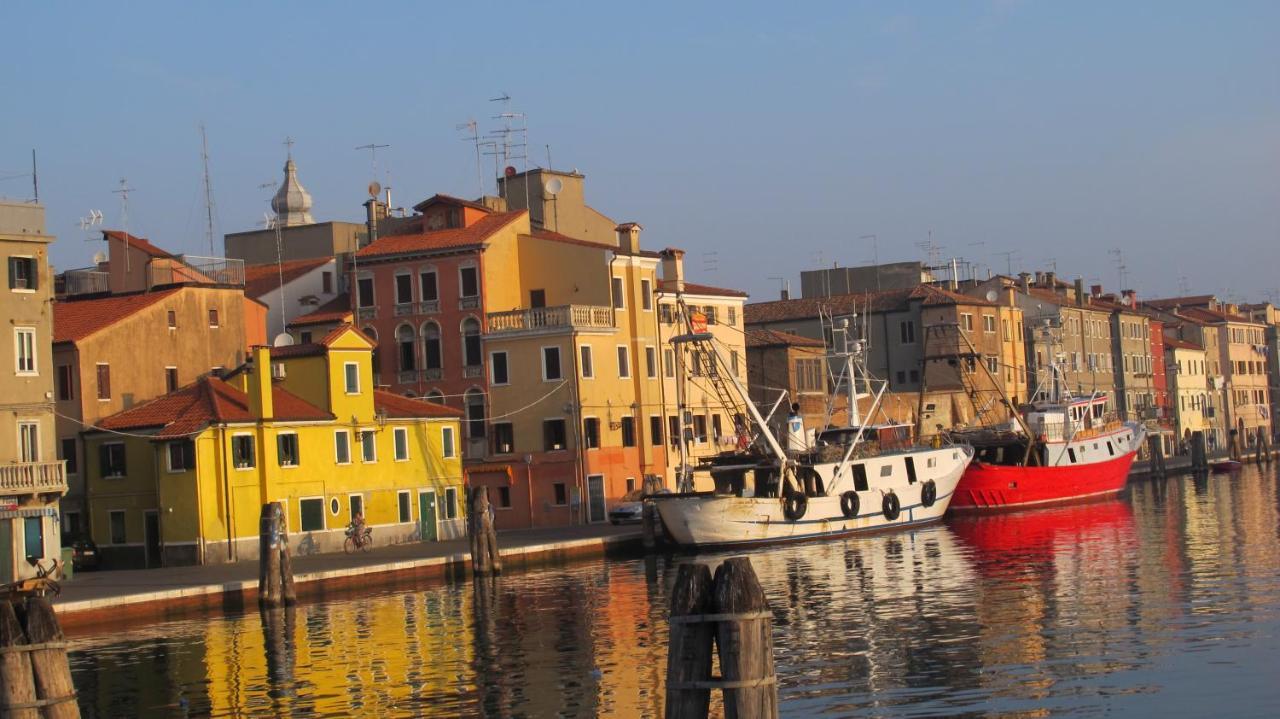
182, 479
1187, 367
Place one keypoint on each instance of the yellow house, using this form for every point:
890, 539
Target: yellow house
182, 479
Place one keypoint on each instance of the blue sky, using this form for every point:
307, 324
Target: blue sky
772, 135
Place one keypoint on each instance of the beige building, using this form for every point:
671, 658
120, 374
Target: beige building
557, 202
1188, 386
32, 479
779, 362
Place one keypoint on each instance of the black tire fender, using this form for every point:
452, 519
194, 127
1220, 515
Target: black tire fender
891, 506
849, 504
929, 493
794, 506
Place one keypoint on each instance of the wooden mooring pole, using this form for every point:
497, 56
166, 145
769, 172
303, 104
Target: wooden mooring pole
35, 678
275, 567
732, 612
484, 538
1199, 455
1155, 445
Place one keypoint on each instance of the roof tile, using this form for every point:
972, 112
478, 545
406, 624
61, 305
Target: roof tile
453, 238
74, 320
261, 279
205, 402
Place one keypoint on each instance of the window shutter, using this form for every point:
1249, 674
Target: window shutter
34, 270
104, 460
13, 272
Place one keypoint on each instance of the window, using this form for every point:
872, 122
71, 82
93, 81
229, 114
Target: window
651, 362
404, 288
646, 295
666, 314
355, 506
915, 375
561, 495
312, 511
504, 498
591, 432
673, 429
25, 350
553, 434
551, 364
809, 375
404, 507
504, 437
619, 299
537, 298
401, 438
624, 362
117, 526
902, 377
907, 330
368, 445
428, 287
305, 338
588, 369
450, 502
989, 324
242, 451
111, 459
717, 430
173, 319
364, 292
993, 365
628, 431
710, 312
431, 346
213, 318
469, 281
474, 402
966, 321
655, 429
668, 363
66, 383
28, 442
351, 377
1004, 326
733, 315
342, 446
326, 282
22, 273
170, 379
67, 451
700, 427
733, 362
447, 448
470, 342
182, 456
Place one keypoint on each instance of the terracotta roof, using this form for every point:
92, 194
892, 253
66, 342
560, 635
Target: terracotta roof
1176, 343
693, 288
443, 199
774, 338
307, 349
74, 320
337, 309
337, 332
137, 243
1189, 301
884, 301
405, 407
452, 238
261, 279
1211, 316
557, 237
207, 401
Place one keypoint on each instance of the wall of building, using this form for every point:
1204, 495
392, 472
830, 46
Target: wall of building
323, 239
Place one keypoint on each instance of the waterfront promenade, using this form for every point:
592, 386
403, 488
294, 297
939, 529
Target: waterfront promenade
107, 596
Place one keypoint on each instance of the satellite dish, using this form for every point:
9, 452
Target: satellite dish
554, 186
284, 339
99, 258
375, 189
992, 296
1126, 300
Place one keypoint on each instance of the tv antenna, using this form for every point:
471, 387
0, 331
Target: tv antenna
1121, 269
93, 219
473, 136
710, 261
208, 189
373, 148
875, 255
1051, 263
1184, 287
1008, 260
511, 140
123, 192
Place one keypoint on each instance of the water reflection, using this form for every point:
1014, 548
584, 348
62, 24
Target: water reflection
1166, 600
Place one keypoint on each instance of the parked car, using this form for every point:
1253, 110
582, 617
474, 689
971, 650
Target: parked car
631, 509
84, 553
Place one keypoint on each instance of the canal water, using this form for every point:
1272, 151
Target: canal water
1165, 602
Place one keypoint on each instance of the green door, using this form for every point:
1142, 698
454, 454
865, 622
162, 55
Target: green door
6, 551
427, 516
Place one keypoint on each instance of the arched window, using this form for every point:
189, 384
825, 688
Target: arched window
373, 334
405, 342
474, 402
431, 346
471, 342
435, 396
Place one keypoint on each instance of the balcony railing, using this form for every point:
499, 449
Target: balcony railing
197, 269
473, 371
402, 309
475, 448
407, 376
552, 319
428, 307
33, 477
468, 303
368, 313
83, 282
431, 374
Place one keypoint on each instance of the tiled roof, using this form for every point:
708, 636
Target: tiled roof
261, 279
693, 288
1189, 301
337, 309
308, 349
1181, 344
774, 338
74, 320
557, 237
443, 199
205, 402
1211, 316
337, 332
404, 407
452, 238
137, 243
884, 301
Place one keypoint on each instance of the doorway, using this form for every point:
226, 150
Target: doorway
595, 498
427, 516
151, 538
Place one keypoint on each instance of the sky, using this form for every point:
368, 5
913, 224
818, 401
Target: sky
763, 138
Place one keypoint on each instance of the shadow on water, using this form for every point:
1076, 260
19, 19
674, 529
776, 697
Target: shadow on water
1166, 600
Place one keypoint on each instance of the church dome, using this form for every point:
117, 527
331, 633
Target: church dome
292, 203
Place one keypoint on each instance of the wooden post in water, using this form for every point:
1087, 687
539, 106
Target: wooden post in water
17, 685
275, 568
650, 525
1264, 445
484, 538
745, 642
1156, 449
1199, 456
689, 649
49, 665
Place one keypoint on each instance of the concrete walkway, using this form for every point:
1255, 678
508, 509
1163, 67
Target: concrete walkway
107, 592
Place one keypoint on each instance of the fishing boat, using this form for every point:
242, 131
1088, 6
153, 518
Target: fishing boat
860, 477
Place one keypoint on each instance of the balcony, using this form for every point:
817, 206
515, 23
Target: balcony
82, 282
402, 309
367, 313
197, 270
428, 307
550, 320
468, 303
407, 376
33, 477
473, 371
431, 374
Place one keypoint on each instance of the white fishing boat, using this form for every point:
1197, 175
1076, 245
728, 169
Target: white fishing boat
861, 477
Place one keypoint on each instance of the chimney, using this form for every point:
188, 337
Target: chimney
786, 290
258, 383
1095, 290
1051, 279
1080, 292
1039, 278
673, 269
1131, 296
1026, 281
629, 238
372, 215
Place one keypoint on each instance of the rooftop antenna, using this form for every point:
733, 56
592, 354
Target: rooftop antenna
548, 156
1184, 287
875, 255
710, 261
35, 177
123, 192
473, 136
1121, 268
208, 190
1008, 261
373, 148
512, 139
782, 286
89, 221
1051, 263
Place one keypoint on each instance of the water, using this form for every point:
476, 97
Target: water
1164, 602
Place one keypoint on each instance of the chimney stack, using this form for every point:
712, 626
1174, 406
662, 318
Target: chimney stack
258, 385
629, 237
673, 269
1080, 292
1095, 290
1026, 281
786, 290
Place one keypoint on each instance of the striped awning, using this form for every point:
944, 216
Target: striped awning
29, 512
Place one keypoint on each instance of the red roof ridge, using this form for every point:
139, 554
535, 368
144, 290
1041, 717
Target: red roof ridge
335, 310
208, 400
76, 319
134, 241
443, 198
262, 278
449, 238
396, 406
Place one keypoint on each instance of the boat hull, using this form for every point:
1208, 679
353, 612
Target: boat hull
989, 487
724, 521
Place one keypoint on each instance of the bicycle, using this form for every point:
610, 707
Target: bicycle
361, 540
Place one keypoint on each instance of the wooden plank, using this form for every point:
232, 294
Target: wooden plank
745, 645
689, 647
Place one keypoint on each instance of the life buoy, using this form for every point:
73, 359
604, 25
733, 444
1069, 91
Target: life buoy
794, 506
928, 493
849, 504
891, 506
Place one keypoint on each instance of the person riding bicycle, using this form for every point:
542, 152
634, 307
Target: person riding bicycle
357, 526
